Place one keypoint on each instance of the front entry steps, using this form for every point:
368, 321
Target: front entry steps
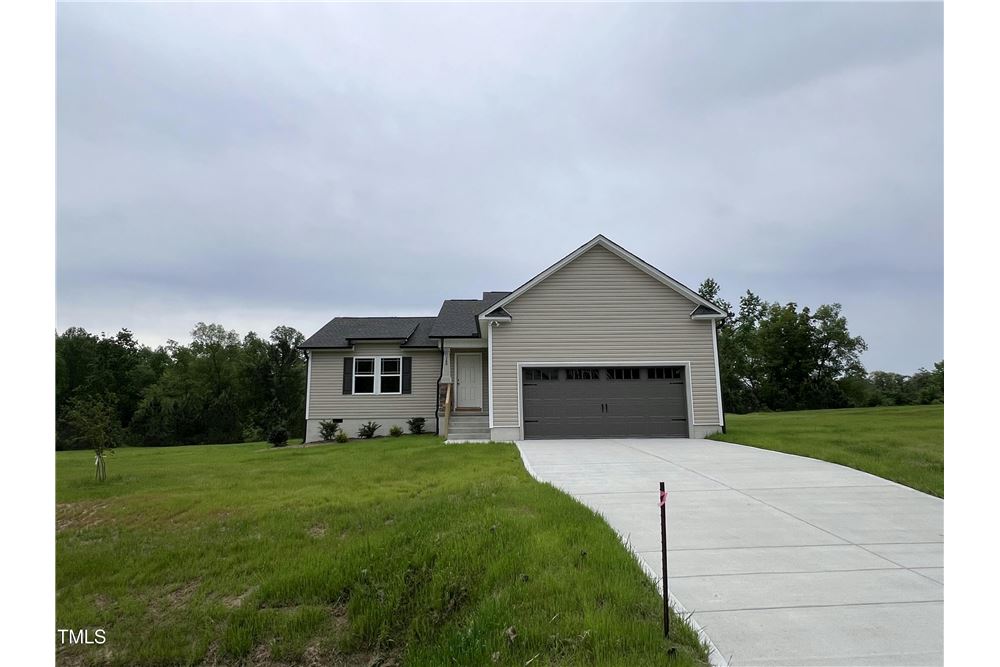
468, 428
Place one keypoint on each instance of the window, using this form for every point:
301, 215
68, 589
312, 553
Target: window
390, 375
378, 375
364, 375
540, 374
663, 373
622, 373
583, 373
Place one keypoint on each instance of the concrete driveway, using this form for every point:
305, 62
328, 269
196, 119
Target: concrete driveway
782, 560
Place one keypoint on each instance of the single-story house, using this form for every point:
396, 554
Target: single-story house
600, 344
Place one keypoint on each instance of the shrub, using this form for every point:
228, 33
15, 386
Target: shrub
340, 437
328, 429
368, 430
278, 436
416, 425
395, 431
252, 434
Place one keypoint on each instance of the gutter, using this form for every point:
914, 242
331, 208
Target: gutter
437, 392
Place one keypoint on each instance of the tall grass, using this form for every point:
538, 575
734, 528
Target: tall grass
394, 550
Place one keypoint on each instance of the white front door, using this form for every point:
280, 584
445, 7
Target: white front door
469, 380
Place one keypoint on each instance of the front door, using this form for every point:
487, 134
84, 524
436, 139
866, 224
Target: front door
469, 380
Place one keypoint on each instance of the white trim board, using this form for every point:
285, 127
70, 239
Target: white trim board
464, 343
715, 355
489, 369
622, 253
309, 366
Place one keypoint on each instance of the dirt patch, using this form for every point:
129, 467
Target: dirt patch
317, 530
313, 656
237, 602
179, 597
78, 515
170, 599
260, 656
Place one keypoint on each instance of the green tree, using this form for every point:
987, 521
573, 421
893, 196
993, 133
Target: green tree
93, 423
781, 357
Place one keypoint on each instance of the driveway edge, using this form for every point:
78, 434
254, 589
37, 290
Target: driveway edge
715, 657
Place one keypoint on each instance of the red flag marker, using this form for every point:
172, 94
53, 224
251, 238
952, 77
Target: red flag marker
663, 498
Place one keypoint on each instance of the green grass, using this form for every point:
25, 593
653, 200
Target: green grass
904, 444
391, 551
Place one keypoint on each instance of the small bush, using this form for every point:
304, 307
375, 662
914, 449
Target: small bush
395, 431
252, 434
416, 425
340, 437
368, 430
328, 430
278, 436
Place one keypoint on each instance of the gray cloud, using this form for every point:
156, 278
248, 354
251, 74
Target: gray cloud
265, 164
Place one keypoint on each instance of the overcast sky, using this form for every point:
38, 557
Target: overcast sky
257, 165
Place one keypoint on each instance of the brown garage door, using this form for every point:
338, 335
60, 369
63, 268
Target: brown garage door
604, 402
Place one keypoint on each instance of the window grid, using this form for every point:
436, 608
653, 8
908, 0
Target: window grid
664, 373
583, 373
540, 374
378, 375
622, 373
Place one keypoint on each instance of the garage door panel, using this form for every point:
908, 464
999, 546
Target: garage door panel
590, 402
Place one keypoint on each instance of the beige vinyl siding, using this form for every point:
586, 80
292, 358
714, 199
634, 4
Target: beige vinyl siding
326, 386
486, 370
600, 308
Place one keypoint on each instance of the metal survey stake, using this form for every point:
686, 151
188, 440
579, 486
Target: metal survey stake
663, 551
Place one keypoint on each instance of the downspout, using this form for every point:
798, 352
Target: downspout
305, 432
437, 391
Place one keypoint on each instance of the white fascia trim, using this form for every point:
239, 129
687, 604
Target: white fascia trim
562, 363
464, 343
615, 249
715, 355
717, 316
309, 366
489, 369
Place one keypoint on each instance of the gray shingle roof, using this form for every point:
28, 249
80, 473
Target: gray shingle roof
457, 317
340, 331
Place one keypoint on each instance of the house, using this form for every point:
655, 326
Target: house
600, 344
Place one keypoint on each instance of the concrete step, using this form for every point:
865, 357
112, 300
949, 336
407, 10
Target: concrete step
471, 419
468, 435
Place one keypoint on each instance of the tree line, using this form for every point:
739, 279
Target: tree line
776, 356
223, 388
219, 388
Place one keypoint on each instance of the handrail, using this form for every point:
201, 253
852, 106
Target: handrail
447, 409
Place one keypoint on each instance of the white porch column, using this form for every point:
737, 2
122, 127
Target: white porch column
446, 369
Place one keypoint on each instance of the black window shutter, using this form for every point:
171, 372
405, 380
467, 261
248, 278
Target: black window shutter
407, 373
348, 375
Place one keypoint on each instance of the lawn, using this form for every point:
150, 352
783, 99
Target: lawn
904, 444
383, 552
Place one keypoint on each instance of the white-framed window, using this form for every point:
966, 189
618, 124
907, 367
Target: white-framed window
378, 375
390, 375
364, 375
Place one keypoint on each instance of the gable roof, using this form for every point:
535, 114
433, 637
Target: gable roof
343, 331
458, 318
711, 311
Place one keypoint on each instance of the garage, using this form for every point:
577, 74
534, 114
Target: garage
604, 402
